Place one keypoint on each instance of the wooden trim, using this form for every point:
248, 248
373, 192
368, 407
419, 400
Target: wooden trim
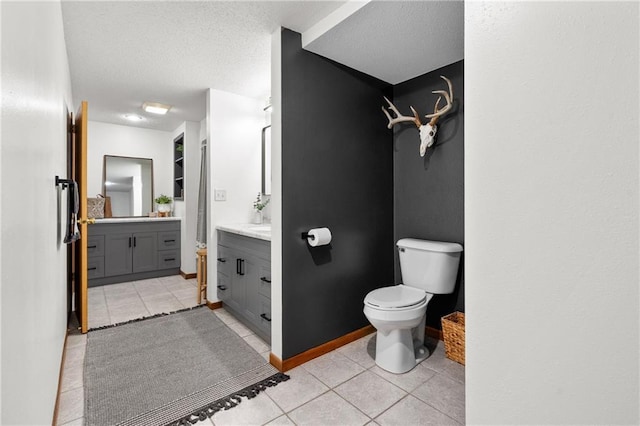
214, 305
434, 332
289, 363
64, 356
188, 276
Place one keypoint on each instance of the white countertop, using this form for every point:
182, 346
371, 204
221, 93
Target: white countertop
136, 219
261, 232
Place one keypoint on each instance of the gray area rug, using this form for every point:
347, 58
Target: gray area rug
170, 369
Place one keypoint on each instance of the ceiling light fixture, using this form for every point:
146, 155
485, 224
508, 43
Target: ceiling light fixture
133, 117
156, 107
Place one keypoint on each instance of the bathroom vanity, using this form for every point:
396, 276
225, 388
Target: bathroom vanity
244, 275
129, 249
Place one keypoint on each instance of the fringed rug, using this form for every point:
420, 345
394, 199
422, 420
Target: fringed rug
170, 369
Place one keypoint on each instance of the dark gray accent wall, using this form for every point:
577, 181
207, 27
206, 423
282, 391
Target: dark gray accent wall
337, 172
429, 191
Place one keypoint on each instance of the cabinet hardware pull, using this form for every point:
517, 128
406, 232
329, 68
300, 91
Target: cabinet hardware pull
222, 260
169, 241
134, 241
170, 259
92, 269
264, 316
129, 242
92, 246
221, 287
238, 266
241, 266
265, 279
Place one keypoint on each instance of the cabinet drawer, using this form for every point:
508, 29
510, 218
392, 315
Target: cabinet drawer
168, 240
223, 289
95, 245
264, 286
95, 267
265, 314
168, 259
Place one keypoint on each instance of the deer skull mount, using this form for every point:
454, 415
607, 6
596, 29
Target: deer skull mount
427, 131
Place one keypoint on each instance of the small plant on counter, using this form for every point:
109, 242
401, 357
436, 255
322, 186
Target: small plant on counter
163, 199
258, 204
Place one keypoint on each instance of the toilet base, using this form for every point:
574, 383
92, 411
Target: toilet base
397, 352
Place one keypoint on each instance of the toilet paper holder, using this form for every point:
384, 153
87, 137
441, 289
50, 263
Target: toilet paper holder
306, 235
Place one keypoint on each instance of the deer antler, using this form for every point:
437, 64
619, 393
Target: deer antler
399, 117
437, 113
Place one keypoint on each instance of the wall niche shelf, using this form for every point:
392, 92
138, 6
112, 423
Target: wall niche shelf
178, 168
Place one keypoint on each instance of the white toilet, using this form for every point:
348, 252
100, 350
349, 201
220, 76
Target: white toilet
398, 312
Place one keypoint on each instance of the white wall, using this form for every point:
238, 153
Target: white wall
127, 141
235, 123
36, 90
275, 205
551, 212
188, 208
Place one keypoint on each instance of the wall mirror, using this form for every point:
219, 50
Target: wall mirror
129, 183
266, 160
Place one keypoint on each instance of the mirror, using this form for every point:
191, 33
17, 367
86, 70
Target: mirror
266, 160
129, 183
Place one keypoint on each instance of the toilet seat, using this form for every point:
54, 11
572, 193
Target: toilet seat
397, 297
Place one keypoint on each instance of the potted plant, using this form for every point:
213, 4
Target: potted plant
164, 203
258, 205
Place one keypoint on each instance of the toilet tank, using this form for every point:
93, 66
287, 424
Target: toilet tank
429, 265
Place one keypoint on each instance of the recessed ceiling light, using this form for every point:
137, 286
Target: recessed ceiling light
133, 117
156, 107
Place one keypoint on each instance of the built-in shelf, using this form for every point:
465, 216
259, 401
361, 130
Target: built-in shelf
178, 168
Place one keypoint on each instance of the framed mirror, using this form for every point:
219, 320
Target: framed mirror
128, 181
266, 160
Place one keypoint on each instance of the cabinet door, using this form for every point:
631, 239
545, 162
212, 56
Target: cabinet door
145, 251
117, 254
252, 284
237, 281
224, 261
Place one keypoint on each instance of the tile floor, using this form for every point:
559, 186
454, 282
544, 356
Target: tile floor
343, 387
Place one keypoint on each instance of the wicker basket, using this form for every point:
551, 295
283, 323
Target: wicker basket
453, 330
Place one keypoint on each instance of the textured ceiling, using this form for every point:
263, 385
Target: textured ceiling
124, 53
393, 41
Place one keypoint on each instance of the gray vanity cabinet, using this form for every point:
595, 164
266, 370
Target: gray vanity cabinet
244, 280
129, 251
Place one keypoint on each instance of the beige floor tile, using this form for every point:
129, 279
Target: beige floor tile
162, 305
122, 313
300, 389
362, 351
256, 343
120, 288
184, 293
75, 354
240, 329
333, 368
191, 302
445, 394
97, 319
76, 422
440, 363
120, 299
407, 381
412, 411
328, 409
74, 340
281, 421
225, 316
255, 411
72, 376
71, 405
370, 393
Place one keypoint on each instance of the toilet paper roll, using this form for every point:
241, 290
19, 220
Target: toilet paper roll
319, 237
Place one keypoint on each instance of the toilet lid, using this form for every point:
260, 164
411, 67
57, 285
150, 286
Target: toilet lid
397, 296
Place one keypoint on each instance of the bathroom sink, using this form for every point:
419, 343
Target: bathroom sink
260, 228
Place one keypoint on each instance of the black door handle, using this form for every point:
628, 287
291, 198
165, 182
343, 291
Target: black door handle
241, 266
134, 241
265, 317
222, 287
170, 259
169, 241
92, 246
222, 260
265, 279
238, 266
92, 269
129, 242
